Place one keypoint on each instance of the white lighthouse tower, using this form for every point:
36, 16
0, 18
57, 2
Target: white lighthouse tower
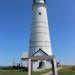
40, 43
40, 37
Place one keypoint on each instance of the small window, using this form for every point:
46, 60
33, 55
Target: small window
40, 13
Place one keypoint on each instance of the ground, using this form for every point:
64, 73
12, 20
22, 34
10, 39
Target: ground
64, 71
67, 71
18, 72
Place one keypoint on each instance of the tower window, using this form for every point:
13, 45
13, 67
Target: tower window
40, 13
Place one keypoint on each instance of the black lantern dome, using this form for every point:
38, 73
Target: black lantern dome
39, 1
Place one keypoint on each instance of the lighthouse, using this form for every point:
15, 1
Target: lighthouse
40, 43
40, 55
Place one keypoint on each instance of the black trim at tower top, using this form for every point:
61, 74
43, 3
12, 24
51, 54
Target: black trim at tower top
34, 1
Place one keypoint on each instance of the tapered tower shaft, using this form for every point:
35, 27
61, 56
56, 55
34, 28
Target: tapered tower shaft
39, 37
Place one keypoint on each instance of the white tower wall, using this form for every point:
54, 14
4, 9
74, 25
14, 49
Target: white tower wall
40, 37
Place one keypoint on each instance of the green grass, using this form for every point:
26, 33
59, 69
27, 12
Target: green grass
17, 72
12, 72
67, 71
64, 71
41, 72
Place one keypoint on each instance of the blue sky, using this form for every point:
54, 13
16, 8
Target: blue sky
15, 25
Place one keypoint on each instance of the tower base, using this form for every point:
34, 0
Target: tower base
48, 58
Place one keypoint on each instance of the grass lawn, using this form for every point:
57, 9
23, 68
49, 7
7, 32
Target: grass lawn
17, 72
12, 72
64, 71
67, 71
